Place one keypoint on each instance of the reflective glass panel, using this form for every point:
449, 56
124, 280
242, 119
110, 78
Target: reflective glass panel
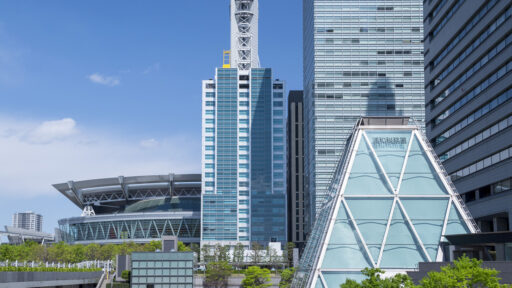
427, 217
344, 249
455, 224
390, 148
402, 249
371, 222
365, 176
420, 177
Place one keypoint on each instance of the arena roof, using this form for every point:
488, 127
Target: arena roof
118, 191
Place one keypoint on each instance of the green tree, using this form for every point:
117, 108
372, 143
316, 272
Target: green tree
221, 253
464, 272
196, 249
289, 253
286, 278
217, 274
238, 253
183, 248
374, 280
256, 253
256, 277
126, 275
92, 251
152, 246
206, 252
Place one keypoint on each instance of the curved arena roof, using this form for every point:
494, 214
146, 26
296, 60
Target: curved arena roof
139, 209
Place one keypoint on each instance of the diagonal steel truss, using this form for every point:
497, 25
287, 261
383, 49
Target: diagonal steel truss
130, 230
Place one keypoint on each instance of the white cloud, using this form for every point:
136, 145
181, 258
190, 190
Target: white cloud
149, 143
49, 131
28, 168
152, 68
104, 80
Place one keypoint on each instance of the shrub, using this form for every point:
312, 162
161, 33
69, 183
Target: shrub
126, 275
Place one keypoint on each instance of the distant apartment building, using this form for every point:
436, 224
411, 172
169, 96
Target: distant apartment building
28, 221
243, 140
468, 88
361, 58
297, 200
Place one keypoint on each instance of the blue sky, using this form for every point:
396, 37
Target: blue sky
106, 88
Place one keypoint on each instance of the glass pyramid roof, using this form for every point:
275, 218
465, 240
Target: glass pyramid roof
389, 207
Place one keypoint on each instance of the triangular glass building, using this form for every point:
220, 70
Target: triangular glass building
390, 203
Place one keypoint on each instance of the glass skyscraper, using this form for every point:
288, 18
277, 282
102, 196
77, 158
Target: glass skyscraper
361, 58
243, 163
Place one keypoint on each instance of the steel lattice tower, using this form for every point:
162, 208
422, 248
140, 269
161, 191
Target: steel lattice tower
244, 34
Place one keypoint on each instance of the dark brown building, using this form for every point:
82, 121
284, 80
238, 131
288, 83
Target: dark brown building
297, 200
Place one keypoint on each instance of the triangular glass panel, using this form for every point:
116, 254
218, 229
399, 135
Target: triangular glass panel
420, 177
344, 249
427, 217
391, 148
456, 223
371, 222
319, 283
365, 176
334, 279
402, 249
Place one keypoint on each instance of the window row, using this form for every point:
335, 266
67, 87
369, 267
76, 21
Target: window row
446, 17
370, 30
162, 280
362, 19
489, 107
468, 27
162, 264
366, 8
481, 136
367, 41
502, 186
355, 62
493, 52
484, 163
476, 67
475, 92
162, 272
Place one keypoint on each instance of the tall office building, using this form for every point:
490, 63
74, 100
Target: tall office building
28, 220
297, 200
361, 58
243, 157
468, 87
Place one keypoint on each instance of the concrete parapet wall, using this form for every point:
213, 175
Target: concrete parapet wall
47, 279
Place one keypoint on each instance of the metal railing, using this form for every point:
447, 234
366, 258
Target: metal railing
58, 265
448, 179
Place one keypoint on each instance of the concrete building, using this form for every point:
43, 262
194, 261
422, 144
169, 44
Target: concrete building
468, 88
138, 209
28, 221
243, 140
297, 200
162, 269
361, 58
